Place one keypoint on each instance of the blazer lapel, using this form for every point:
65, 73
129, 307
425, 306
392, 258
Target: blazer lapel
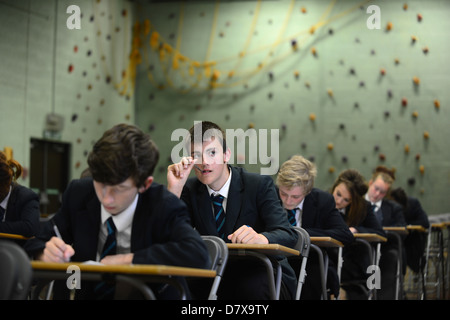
234, 202
204, 216
89, 222
308, 212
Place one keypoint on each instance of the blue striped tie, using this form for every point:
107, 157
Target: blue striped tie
105, 290
219, 214
291, 216
110, 245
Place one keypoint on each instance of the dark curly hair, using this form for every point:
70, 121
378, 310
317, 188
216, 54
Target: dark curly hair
10, 171
122, 152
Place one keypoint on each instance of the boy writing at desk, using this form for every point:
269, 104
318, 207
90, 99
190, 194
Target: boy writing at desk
121, 201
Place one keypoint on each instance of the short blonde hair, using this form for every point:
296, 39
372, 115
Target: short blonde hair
297, 171
388, 175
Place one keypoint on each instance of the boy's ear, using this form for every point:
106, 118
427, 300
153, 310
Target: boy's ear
227, 155
148, 182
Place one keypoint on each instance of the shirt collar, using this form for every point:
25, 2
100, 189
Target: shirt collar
300, 205
377, 204
4, 203
124, 219
224, 190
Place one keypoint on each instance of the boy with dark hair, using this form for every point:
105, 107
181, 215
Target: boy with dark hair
151, 226
250, 211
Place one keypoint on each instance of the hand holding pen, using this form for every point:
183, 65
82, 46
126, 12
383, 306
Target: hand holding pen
56, 250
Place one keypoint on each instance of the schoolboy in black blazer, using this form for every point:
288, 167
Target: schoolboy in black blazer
317, 214
153, 226
253, 212
388, 214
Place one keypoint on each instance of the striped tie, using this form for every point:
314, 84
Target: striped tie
110, 246
291, 216
219, 213
105, 290
378, 213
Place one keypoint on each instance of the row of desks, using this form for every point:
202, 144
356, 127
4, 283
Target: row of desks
150, 272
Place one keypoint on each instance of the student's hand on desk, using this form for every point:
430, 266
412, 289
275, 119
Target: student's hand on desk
178, 173
247, 235
118, 259
353, 230
56, 250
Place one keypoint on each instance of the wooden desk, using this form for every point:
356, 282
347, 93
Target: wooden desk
440, 225
136, 275
263, 252
326, 242
13, 236
417, 228
370, 237
398, 230
269, 249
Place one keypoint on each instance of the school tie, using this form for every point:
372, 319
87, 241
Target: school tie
291, 216
219, 213
2, 213
378, 213
105, 290
110, 246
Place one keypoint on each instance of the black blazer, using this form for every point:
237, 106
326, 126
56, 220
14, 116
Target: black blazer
414, 213
253, 201
22, 213
392, 214
161, 232
320, 218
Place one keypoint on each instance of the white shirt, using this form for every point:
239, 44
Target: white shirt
4, 203
123, 223
223, 191
376, 204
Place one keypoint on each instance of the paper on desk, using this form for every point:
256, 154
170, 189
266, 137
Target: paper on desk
92, 262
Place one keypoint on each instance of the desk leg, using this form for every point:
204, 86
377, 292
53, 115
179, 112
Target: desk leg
399, 275
322, 270
270, 276
340, 263
142, 287
301, 278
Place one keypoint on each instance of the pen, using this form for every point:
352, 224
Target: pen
58, 234
55, 228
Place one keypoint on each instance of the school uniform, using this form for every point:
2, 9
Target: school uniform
159, 231
389, 214
251, 200
415, 242
320, 218
356, 260
19, 212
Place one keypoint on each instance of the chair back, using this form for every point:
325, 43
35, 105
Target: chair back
303, 243
15, 272
298, 263
218, 254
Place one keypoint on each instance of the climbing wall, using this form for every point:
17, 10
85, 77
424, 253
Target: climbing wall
344, 87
